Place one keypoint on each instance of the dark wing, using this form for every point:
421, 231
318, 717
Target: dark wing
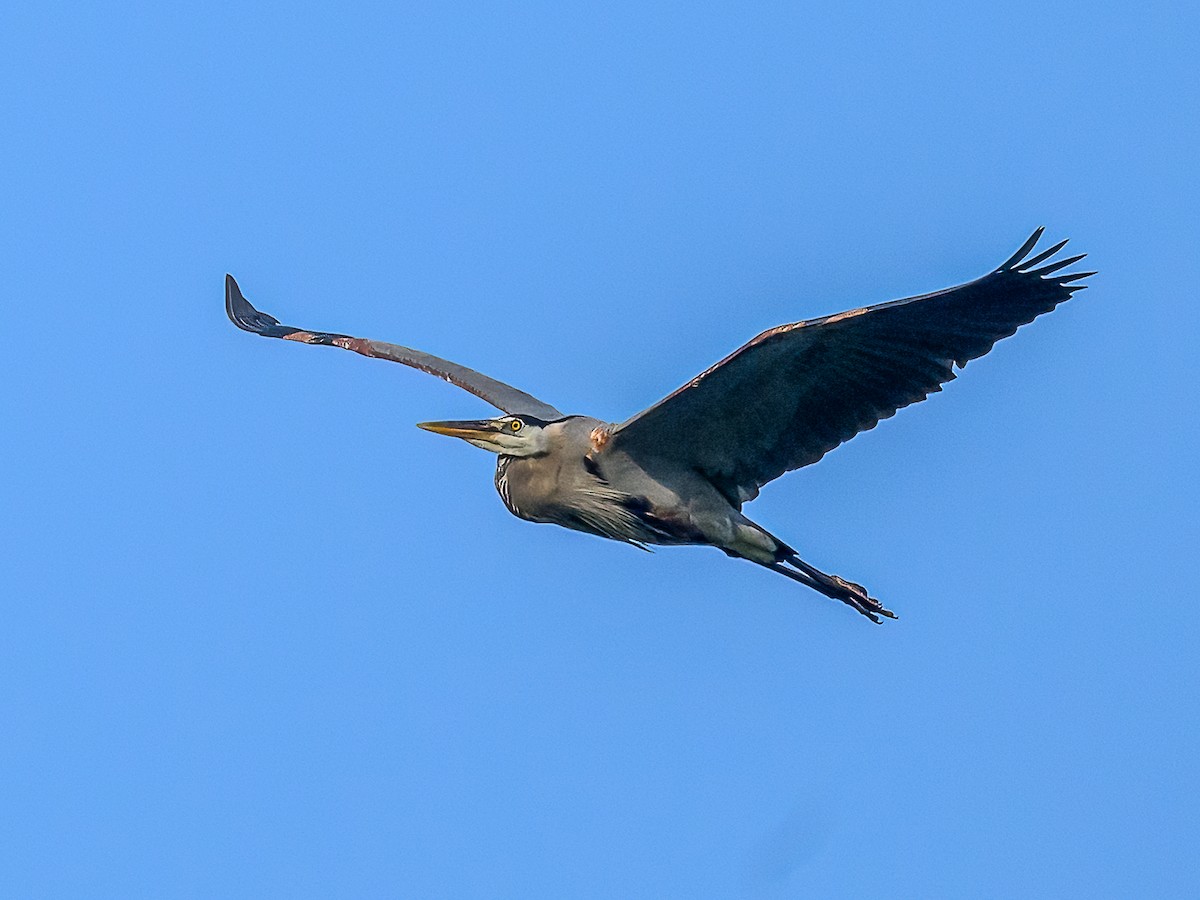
797, 391
497, 393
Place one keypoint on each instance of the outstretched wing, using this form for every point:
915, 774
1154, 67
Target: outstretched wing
497, 393
795, 392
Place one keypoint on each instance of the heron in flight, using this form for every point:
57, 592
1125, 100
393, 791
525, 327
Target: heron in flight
680, 471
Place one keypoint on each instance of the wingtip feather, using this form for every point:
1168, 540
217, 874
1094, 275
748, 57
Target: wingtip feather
1018, 264
242, 313
1029, 244
1043, 256
1054, 266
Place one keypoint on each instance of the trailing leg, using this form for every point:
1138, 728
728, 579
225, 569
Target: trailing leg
853, 595
751, 541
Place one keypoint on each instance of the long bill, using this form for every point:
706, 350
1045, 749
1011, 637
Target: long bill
479, 432
475, 430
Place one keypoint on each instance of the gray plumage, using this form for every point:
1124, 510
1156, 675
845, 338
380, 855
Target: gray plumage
500, 395
680, 471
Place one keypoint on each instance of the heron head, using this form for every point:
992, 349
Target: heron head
508, 435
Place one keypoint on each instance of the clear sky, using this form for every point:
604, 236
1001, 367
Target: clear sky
263, 637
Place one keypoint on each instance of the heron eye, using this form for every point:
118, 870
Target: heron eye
515, 424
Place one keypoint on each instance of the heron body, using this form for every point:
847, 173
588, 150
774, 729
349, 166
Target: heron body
680, 471
610, 494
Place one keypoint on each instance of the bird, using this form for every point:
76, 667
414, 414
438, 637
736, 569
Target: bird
680, 471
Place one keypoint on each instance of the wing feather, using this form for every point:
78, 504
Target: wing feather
795, 392
500, 395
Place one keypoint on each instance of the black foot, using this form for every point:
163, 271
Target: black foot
853, 595
856, 595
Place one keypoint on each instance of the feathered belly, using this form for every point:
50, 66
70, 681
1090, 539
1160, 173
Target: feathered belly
595, 507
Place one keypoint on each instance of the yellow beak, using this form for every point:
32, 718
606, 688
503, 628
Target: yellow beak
481, 430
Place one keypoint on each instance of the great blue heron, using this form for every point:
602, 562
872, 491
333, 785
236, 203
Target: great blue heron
679, 472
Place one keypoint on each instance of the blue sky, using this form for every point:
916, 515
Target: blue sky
263, 637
